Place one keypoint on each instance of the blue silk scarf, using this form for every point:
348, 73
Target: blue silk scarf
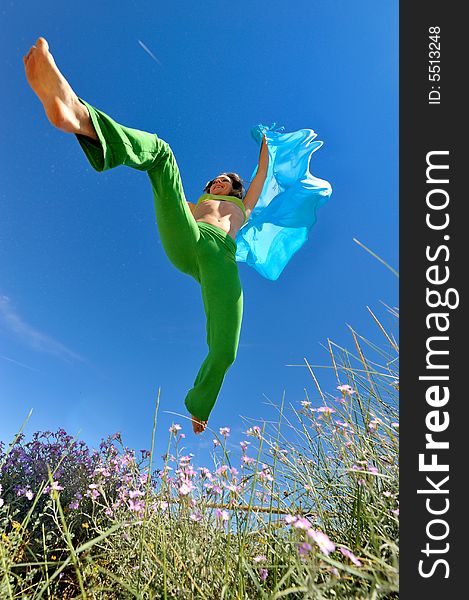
286, 209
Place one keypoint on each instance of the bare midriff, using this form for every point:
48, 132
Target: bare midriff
225, 215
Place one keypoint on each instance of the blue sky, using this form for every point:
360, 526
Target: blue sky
93, 317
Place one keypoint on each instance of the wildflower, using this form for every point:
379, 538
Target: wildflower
373, 424
305, 404
304, 548
29, 495
325, 410
85, 525
351, 556
395, 512
247, 460
216, 443
346, 390
232, 487
322, 540
225, 431
254, 431
221, 471
263, 573
186, 488
205, 473
244, 445
395, 425
289, 519
302, 523
182, 436
222, 515
136, 506
108, 512
163, 505
259, 558
73, 505
135, 494
185, 460
196, 516
174, 428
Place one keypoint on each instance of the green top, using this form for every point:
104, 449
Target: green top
233, 199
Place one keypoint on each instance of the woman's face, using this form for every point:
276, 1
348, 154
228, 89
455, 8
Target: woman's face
221, 186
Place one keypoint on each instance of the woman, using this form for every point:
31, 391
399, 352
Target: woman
199, 239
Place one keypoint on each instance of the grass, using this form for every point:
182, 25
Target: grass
310, 512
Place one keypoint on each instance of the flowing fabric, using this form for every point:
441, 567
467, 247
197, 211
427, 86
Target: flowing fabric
286, 209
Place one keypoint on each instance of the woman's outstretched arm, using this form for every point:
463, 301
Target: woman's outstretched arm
255, 189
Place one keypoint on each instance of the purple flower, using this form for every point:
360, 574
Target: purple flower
304, 548
196, 516
222, 515
73, 505
263, 573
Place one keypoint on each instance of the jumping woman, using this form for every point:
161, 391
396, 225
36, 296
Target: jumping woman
199, 239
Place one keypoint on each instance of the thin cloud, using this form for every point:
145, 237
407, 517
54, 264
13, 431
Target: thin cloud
16, 362
149, 52
31, 336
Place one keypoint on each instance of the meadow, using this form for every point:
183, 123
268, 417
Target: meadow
310, 510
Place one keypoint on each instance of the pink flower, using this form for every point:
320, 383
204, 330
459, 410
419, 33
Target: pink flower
73, 505
289, 519
222, 515
205, 473
174, 428
305, 404
321, 539
325, 410
254, 431
225, 431
259, 558
263, 573
351, 556
135, 494
302, 523
244, 445
196, 516
346, 390
136, 506
216, 443
186, 488
247, 460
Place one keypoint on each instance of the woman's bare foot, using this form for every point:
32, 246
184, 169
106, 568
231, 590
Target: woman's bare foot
197, 425
63, 108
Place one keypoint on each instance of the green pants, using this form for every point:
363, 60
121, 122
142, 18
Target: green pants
201, 250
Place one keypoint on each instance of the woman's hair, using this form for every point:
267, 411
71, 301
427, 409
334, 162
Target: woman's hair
236, 182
